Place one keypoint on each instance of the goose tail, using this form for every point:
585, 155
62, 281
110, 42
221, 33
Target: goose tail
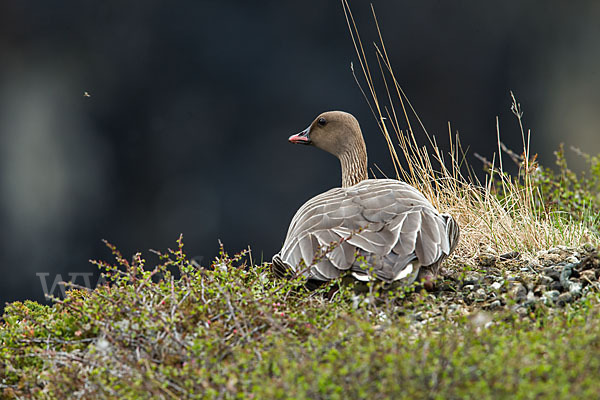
280, 268
453, 231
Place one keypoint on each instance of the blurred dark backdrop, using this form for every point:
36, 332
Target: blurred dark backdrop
191, 103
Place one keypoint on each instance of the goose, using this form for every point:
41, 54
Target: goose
369, 229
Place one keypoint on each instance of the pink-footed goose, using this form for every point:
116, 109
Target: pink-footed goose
383, 229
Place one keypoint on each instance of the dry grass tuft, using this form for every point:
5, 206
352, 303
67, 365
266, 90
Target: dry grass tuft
502, 214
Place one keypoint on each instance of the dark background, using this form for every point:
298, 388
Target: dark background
192, 103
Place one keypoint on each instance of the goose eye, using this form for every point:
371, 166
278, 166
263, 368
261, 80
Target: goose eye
322, 121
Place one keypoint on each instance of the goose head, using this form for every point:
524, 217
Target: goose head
338, 133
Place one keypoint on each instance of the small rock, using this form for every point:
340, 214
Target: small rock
550, 259
588, 275
468, 288
496, 285
564, 278
563, 299
575, 272
481, 295
575, 288
452, 307
471, 279
552, 272
556, 250
509, 256
522, 311
495, 304
551, 296
486, 260
533, 263
556, 285
572, 260
590, 262
518, 293
539, 290
541, 253
545, 280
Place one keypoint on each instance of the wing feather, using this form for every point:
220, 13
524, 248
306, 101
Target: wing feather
389, 223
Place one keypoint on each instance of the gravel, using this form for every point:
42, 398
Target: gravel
553, 279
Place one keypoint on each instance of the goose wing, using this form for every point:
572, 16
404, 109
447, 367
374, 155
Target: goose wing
379, 228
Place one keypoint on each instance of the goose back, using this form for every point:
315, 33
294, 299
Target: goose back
376, 229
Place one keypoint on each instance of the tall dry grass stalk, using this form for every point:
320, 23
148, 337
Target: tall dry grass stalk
517, 222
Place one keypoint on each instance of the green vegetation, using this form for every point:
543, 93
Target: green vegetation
232, 331
578, 195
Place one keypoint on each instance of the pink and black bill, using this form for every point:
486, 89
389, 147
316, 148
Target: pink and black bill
301, 138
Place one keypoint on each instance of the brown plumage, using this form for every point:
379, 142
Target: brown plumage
380, 229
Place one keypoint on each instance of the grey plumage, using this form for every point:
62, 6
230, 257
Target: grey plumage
375, 229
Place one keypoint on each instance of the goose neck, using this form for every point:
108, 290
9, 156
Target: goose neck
354, 166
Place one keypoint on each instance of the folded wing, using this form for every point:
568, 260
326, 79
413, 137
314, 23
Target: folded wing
378, 229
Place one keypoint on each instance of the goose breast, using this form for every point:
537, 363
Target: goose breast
377, 229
